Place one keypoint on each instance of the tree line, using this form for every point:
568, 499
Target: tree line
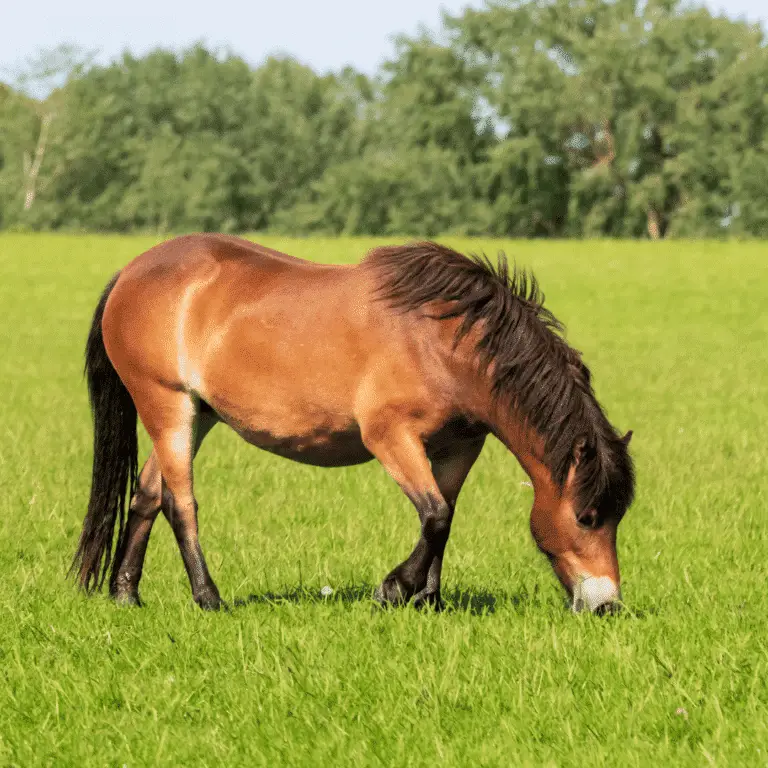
543, 118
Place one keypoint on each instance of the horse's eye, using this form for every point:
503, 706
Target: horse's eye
588, 518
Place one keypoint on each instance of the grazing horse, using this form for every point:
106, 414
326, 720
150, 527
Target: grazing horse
412, 357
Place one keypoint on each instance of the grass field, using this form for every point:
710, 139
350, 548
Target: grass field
676, 335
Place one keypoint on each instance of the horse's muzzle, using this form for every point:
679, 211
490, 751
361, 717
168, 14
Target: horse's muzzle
598, 594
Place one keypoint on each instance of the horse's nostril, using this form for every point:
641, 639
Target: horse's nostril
608, 609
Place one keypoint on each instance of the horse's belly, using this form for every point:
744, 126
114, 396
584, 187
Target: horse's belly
321, 446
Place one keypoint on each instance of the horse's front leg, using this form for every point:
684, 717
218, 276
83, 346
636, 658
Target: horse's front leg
450, 468
402, 454
417, 579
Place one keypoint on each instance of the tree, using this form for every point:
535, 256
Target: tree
27, 111
190, 141
417, 164
19, 122
721, 161
383, 192
528, 118
596, 85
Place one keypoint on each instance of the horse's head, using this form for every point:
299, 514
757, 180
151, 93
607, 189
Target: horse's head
580, 539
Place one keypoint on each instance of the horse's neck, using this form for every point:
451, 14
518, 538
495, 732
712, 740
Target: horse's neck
526, 445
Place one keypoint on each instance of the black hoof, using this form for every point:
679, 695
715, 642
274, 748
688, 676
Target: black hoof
392, 591
395, 590
126, 598
210, 601
124, 588
430, 598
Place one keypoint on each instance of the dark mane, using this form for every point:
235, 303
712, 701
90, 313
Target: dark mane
533, 368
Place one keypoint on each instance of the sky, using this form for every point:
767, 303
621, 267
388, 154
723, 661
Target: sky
326, 34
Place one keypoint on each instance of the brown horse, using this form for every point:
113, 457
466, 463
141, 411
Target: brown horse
413, 357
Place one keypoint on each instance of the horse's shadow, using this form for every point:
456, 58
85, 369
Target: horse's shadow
476, 601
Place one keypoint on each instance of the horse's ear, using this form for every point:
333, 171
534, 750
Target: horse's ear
578, 449
627, 438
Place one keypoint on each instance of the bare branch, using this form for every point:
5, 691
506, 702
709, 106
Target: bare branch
654, 223
32, 167
609, 154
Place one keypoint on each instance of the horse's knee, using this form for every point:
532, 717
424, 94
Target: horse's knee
147, 498
146, 502
436, 529
436, 518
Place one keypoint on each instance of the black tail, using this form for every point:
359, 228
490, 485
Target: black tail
115, 457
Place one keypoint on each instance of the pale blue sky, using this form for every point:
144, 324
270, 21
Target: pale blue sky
327, 34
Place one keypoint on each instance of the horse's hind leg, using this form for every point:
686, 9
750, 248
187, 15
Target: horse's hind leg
132, 547
172, 418
144, 508
180, 509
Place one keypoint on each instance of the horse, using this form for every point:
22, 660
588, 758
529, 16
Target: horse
413, 357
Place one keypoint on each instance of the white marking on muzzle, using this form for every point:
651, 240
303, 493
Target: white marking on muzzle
591, 592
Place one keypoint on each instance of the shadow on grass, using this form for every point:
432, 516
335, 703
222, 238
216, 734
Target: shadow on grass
476, 601
481, 601
354, 593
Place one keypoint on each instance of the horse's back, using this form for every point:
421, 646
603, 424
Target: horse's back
182, 256
201, 299
227, 270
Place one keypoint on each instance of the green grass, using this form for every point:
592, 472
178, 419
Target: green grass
676, 335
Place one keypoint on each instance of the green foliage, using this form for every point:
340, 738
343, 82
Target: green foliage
187, 142
390, 192
19, 127
508, 676
605, 89
603, 118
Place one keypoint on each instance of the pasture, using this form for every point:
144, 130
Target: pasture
676, 335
